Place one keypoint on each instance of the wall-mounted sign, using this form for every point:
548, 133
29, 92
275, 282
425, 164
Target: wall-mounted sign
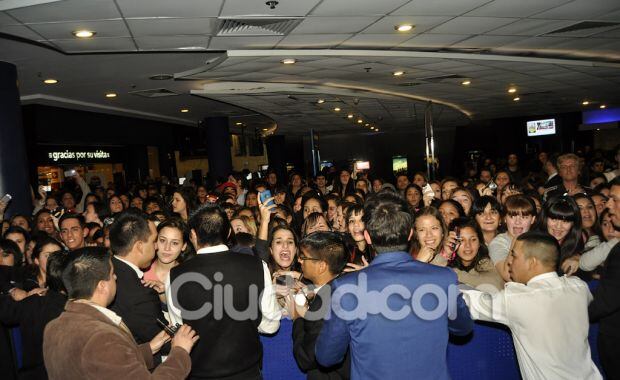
59, 155
77, 155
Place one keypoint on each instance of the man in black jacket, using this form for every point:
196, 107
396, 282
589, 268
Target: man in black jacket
606, 305
132, 240
323, 257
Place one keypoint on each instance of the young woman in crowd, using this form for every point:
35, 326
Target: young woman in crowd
295, 185
312, 202
472, 263
463, 197
115, 205
243, 224
360, 252
44, 222
487, 212
420, 179
343, 184
450, 210
22, 221
35, 274
314, 222
413, 196
432, 242
332, 207
519, 215
201, 194
21, 238
376, 184
184, 201
592, 234
447, 185
282, 260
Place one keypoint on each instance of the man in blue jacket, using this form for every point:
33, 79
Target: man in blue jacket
396, 314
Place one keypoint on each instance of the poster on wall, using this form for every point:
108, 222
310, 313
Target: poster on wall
541, 127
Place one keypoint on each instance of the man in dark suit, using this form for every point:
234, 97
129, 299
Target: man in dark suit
323, 256
606, 304
395, 314
217, 293
132, 240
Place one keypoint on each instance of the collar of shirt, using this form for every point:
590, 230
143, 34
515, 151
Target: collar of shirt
390, 257
105, 311
135, 268
213, 249
542, 277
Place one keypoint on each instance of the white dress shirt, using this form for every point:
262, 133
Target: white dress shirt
271, 313
548, 319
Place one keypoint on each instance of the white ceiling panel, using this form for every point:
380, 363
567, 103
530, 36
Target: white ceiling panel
70, 10
5, 19
439, 7
167, 8
375, 40
486, 42
358, 8
581, 10
333, 25
314, 41
171, 26
512, 8
20, 31
422, 24
611, 16
615, 33
171, 42
332, 62
226, 43
536, 43
233, 8
62, 30
472, 25
433, 40
97, 44
531, 27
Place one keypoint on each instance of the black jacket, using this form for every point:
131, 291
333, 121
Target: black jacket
606, 304
139, 306
32, 315
305, 334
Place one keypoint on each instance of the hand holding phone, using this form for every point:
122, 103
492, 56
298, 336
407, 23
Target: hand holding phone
264, 195
70, 173
170, 330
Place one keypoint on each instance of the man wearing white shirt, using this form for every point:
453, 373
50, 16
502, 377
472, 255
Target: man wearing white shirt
547, 314
219, 293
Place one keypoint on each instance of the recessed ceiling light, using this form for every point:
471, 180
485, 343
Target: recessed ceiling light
602, 106
350, 116
376, 129
466, 82
512, 90
372, 128
161, 77
337, 109
184, 110
585, 103
321, 101
238, 123
84, 33
360, 121
398, 73
366, 125
403, 27
598, 129
516, 99
289, 61
50, 81
265, 129
110, 95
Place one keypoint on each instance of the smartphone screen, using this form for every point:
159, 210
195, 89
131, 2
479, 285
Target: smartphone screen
264, 195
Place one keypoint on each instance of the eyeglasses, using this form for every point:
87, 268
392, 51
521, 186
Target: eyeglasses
304, 257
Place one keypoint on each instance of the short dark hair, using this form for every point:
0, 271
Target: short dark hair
9, 247
541, 245
127, 229
41, 242
67, 216
614, 182
388, 222
56, 264
482, 202
326, 246
85, 268
211, 225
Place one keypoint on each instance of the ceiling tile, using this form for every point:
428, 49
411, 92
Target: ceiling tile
531, 27
486, 42
226, 43
70, 10
240, 8
333, 62
536, 43
439, 7
511, 8
615, 33
314, 41
472, 25
171, 26
97, 44
333, 25
171, 42
580, 10
168, 8
374, 40
422, 24
359, 8
62, 30
433, 40
5, 19
19, 31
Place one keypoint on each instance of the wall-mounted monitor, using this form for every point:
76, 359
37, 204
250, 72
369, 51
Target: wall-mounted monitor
399, 164
541, 127
362, 165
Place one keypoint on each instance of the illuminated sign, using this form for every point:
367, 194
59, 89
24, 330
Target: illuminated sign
78, 155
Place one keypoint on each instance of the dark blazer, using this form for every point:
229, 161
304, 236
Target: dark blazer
84, 344
139, 306
32, 314
305, 333
606, 304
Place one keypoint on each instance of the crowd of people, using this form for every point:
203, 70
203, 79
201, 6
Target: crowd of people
113, 283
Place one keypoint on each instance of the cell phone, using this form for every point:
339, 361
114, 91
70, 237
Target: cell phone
456, 244
170, 330
47, 188
428, 190
285, 280
264, 195
70, 173
6, 198
492, 185
249, 177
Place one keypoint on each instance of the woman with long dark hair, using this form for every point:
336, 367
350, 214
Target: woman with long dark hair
488, 213
184, 202
343, 184
413, 196
592, 233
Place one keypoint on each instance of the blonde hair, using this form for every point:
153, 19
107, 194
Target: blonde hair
248, 223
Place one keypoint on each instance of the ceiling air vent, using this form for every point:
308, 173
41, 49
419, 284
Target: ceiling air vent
258, 26
585, 28
154, 93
